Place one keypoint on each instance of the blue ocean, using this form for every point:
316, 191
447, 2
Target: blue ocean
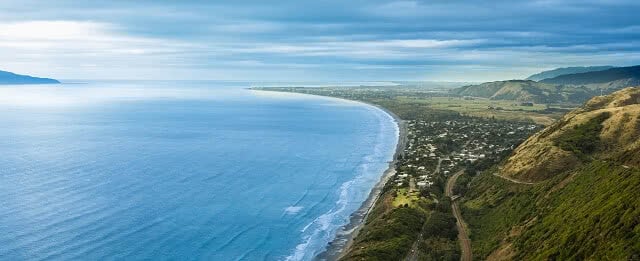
182, 170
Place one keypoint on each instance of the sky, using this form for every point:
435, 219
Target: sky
328, 40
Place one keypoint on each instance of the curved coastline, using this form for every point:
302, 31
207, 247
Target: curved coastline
345, 236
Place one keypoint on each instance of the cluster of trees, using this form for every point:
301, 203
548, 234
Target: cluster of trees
440, 234
388, 236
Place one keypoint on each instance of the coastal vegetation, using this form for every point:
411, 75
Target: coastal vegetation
583, 211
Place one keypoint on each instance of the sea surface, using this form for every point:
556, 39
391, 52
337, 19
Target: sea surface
181, 170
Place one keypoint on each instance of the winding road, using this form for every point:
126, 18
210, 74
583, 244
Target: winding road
463, 237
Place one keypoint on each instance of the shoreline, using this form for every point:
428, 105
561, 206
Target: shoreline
344, 237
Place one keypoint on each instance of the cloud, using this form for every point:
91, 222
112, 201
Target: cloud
78, 37
80, 47
358, 39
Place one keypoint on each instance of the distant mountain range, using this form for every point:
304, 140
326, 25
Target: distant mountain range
569, 88
615, 78
12, 78
568, 192
567, 70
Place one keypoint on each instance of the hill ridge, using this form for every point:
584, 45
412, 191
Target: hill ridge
597, 77
566, 70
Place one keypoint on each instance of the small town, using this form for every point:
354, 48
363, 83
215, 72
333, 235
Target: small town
436, 149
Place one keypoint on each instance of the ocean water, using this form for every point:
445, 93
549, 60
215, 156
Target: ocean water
181, 170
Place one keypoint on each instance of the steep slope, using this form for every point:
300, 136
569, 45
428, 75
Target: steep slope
568, 192
567, 70
12, 78
615, 78
604, 126
523, 90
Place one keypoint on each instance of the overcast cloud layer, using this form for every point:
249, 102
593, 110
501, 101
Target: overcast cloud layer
469, 40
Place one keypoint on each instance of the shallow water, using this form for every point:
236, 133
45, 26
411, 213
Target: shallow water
181, 170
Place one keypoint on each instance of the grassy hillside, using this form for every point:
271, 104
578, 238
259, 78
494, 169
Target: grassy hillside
389, 232
391, 229
524, 90
587, 213
605, 127
581, 199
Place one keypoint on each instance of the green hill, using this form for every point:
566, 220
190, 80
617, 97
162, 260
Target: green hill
567, 193
570, 88
567, 70
525, 90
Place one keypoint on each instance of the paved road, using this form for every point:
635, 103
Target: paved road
463, 237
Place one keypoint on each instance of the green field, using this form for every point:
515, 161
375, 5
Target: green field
486, 108
415, 104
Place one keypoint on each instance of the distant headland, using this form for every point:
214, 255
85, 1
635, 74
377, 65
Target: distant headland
12, 78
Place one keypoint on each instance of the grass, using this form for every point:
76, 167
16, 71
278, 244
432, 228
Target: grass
414, 104
495, 206
480, 107
583, 139
404, 197
595, 216
478, 104
388, 234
